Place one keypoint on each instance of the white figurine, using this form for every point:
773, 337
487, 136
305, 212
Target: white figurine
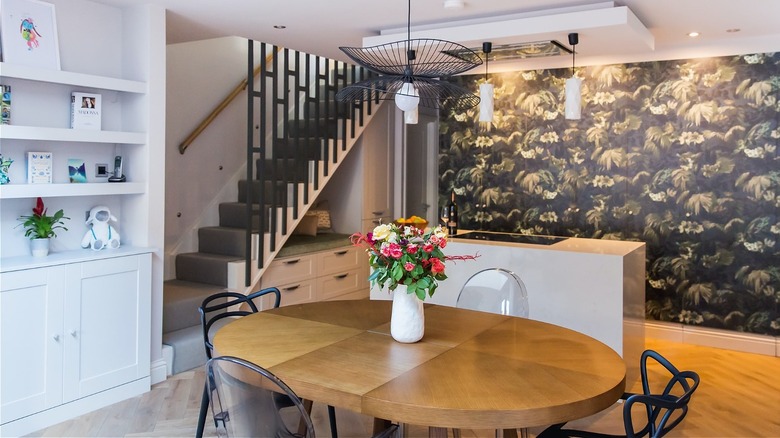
101, 234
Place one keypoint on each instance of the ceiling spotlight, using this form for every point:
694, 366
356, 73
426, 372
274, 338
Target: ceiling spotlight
733, 30
693, 34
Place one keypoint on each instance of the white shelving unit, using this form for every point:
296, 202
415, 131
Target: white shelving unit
127, 67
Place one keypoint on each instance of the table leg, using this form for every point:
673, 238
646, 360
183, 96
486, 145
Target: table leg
437, 432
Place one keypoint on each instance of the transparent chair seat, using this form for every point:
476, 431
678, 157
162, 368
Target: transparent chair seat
495, 290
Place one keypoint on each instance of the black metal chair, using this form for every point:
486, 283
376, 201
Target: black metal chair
245, 402
663, 411
215, 312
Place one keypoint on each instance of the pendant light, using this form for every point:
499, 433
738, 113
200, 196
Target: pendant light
486, 92
573, 89
413, 73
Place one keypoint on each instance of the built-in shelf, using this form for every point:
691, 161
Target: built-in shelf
70, 78
19, 263
11, 132
13, 191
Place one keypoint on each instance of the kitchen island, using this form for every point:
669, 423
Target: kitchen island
593, 286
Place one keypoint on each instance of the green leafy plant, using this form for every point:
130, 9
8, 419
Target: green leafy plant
41, 226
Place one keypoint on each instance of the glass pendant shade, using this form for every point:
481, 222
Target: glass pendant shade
411, 117
407, 98
486, 102
573, 102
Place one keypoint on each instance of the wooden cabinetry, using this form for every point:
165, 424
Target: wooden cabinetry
377, 161
74, 336
340, 273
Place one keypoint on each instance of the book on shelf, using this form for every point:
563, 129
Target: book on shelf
85, 110
5, 104
39, 167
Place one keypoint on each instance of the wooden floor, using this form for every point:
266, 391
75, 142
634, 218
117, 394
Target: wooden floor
739, 396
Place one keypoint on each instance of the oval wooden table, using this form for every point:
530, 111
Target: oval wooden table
471, 370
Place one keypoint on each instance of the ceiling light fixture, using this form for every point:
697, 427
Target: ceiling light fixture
693, 34
573, 89
486, 92
413, 73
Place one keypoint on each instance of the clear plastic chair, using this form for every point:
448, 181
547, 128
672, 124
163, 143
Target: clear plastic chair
660, 411
495, 290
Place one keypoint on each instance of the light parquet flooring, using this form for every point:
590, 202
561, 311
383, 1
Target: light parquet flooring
739, 396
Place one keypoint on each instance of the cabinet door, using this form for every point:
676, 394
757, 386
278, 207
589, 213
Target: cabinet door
31, 341
107, 324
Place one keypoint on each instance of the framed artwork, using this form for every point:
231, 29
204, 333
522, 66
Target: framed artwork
77, 171
28, 33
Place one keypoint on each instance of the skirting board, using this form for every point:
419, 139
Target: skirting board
686, 334
159, 371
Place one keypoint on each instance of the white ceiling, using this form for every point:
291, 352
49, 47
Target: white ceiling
610, 32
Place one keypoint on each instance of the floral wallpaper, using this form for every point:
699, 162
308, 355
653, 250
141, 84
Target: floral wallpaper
679, 154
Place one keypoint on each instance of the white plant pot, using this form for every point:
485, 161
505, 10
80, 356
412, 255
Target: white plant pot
407, 323
39, 247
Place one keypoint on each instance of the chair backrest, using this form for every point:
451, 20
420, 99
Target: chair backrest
495, 290
665, 409
215, 308
247, 400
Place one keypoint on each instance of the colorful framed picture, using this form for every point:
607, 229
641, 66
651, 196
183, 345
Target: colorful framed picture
77, 171
28, 33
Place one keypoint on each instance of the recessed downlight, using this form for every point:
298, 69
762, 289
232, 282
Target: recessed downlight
280, 26
693, 34
733, 30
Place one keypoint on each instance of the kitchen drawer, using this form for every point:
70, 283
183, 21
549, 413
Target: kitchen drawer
292, 293
289, 270
339, 260
334, 285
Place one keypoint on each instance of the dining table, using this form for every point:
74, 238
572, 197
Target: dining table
471, 370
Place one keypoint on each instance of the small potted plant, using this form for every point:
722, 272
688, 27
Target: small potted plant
40, 227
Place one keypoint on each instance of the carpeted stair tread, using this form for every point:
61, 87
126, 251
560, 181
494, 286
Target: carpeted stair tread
222, 240
203, 267
233, 215
181, 300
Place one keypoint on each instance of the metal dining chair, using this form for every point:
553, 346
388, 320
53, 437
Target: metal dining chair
661, 411
216, 311
495, 290
250, 401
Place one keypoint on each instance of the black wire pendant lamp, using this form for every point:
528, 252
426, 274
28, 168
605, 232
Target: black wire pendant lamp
411, 73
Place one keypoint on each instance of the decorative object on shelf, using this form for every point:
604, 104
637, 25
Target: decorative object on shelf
118, 174
410, 257
85, 110
5, 105
407, 320
413, 73
28, 31
100, 234
77, 170
5, 164
40, 227
39, 167
486, 92
573, 89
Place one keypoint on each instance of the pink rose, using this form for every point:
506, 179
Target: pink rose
409, 266
395, 251
412, 248
437, 266
428, 247
385, 250
442, 243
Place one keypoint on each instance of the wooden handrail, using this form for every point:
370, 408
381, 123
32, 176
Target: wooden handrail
222, 105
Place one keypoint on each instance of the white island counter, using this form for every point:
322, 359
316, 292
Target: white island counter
593, 286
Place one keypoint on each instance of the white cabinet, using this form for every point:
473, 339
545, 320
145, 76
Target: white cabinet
71, 331
377, 163
334, 274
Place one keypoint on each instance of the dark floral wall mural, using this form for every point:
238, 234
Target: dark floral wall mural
679, 154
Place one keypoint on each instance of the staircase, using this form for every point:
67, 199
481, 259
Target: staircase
301, 138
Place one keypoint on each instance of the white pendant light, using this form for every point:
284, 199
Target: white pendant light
486, 90
573, 89
407, 98
411, 117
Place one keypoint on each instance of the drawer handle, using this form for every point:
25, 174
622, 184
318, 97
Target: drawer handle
287, 289
340, 276
291, 262
377, 213
340, 253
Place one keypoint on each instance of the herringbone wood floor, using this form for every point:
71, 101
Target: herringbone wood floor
739, 397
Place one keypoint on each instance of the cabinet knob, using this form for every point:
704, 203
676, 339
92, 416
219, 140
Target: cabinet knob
56, 338
73, 333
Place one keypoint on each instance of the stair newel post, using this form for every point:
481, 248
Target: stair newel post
250, 91
285, 144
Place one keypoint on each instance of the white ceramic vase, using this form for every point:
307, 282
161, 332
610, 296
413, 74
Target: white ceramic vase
39, 247
407, 323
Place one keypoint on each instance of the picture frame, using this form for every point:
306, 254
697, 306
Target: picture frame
28, 33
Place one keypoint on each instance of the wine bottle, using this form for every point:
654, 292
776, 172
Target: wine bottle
452, 222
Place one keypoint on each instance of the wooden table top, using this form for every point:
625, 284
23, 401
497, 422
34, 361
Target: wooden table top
471, 370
